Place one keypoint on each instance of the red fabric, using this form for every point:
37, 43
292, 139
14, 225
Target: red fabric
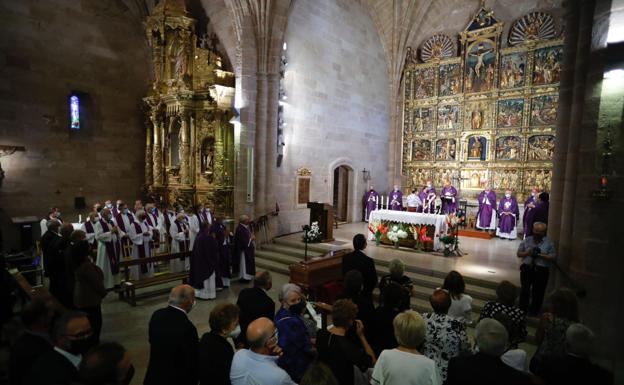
331, 291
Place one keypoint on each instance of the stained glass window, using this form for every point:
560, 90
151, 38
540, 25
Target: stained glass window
74, 107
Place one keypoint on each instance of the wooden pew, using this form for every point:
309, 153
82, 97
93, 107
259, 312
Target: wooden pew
128, 289
311, 275
38, 292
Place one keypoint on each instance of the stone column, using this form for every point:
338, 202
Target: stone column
185, 148
149, 176
261, 144
157, 150
271, 140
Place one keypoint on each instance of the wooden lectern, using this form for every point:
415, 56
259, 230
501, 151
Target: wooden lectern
323, 213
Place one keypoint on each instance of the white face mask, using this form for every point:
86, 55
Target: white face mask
236, 332
428, 185
507, 195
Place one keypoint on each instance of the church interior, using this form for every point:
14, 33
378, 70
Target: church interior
307, 117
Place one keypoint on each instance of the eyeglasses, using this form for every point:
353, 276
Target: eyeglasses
274, 335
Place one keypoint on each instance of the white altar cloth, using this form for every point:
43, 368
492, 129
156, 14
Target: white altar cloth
439, 221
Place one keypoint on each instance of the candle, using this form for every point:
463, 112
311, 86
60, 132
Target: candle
79, 218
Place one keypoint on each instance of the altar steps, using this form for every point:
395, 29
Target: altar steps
276, 257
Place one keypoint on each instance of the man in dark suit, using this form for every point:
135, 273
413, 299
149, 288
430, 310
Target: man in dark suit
33, 342
486, 367
254, 303
50, 245
173, 341
575, 367
72, 338
359, 261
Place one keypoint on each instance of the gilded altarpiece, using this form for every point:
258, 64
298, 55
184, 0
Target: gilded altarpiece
486, 115
190, 140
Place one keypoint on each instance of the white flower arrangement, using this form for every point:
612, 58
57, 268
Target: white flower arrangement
396, 233
314, 234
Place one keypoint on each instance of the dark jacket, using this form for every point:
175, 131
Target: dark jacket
215, 356
361, 262
26, 349
89, 289
173, 349
483, 369
572, 370
51, 249
254, 303
52, 368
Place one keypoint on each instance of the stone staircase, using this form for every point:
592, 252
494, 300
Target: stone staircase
277, 256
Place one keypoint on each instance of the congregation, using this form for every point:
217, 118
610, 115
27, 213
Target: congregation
251, 343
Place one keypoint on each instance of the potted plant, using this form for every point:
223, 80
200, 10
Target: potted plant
378, 229
396, 233
314, 234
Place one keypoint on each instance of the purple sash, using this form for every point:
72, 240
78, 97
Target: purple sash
139, 230
90, 230
112, 249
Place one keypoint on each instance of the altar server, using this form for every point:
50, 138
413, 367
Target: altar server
508, 214
140, 234
204, 261
486, 216
244, 250
151, 218
179, 243
449, 198
371, 198
396, 199
108, 249
89, 228
428, 197
413, 202
529, 205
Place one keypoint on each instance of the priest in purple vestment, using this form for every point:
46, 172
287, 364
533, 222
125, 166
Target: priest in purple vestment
224, 265
539, 213
204, 260
486, 216
243, 259
396, 199
449, 198
508, 214
529, 205
371, 198
427, 197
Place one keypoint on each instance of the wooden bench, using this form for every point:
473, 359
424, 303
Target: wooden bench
129, 286
29, 292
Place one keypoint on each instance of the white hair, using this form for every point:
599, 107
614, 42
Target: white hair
243, 218
579, 339
286, 289
491, 337
396, 267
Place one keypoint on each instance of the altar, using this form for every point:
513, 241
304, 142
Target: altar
410, 218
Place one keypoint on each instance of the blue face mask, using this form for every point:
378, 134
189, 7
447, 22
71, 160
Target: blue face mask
125, 211
153, 211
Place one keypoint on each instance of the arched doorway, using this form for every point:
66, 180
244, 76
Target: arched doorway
342, 178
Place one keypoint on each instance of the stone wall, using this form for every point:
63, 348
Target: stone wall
337, 111
47, 50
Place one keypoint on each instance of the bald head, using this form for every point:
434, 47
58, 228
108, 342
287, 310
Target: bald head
440, 301
182, 296
539, 228
259, 335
